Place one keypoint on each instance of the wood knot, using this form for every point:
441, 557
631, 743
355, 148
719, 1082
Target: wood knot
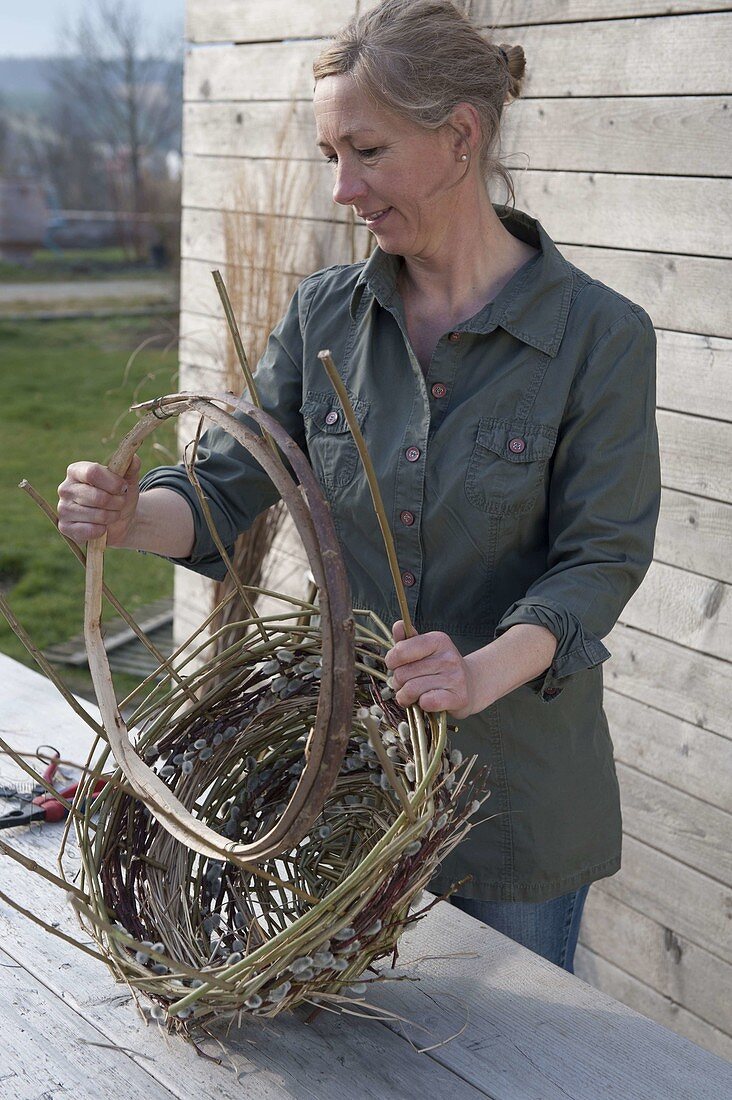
673, 945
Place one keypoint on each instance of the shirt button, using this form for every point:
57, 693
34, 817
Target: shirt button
412, 454
517, 445
438, 390
407, 518
331, 417
408, 579
453, 337
551, 692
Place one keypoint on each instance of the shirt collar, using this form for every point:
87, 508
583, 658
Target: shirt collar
533, 305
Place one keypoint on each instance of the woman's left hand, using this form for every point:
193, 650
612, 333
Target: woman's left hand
428, 669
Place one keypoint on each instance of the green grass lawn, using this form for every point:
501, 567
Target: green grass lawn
65, 387
77, 263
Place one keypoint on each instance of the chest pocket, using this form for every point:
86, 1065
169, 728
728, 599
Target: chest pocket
332, 448
507, 466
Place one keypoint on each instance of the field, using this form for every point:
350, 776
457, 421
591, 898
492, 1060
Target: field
76, 263
65, 387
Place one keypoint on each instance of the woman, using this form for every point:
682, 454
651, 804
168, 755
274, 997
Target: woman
507, 399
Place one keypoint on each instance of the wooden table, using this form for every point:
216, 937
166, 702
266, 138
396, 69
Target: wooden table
524, 1029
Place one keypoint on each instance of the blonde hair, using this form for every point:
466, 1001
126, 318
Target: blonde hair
419, 59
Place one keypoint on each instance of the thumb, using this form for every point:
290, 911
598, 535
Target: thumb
133, 470
398, 631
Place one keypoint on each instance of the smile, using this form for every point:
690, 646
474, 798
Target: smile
376, 217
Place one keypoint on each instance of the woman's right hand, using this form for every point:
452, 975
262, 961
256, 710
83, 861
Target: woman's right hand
93, 501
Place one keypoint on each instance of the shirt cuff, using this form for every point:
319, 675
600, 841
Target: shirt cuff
204, 557
578, 649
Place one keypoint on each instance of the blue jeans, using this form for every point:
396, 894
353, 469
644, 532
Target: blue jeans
550, 928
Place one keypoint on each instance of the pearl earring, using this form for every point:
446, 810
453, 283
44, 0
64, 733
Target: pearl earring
463, 156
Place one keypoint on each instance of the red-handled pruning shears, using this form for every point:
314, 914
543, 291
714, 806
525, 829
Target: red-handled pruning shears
48, 775
46, 806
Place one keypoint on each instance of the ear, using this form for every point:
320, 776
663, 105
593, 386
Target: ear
466, 129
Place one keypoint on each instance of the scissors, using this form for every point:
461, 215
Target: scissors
46, 807
48, 775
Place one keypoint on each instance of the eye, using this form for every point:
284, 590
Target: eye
331, 158
368, 153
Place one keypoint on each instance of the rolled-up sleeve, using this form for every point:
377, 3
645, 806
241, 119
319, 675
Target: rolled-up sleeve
234, 484
604, 499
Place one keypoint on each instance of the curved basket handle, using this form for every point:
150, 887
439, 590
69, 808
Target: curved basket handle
328, 739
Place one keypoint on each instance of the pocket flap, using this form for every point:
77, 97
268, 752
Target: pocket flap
326, 412
515, 440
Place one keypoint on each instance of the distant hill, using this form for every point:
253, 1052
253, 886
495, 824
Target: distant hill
24, 81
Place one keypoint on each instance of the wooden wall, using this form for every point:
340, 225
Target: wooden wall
623, 141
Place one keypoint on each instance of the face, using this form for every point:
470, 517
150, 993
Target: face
398, 177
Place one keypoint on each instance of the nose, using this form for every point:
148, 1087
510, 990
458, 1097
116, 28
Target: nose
349, 186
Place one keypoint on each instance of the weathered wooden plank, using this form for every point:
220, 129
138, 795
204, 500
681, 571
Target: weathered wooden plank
518, 1006
298, 243
232, 21
493, 993
505, 12
620, 57
197, 286
116, 633
603, 974
658, 957
686, 828
695, 454
694, 533
261, 20
287, 1059
672, 133
256, 186
193, 595
683, 356
654, 213
672, 750
676, 896
685, 608
46, 1046
617, 134
676, 680
277, 70
250, 129
683, 293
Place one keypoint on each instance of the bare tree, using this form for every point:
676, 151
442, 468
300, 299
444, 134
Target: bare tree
119, 89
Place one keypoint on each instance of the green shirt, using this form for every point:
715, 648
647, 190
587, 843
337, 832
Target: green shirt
521, 479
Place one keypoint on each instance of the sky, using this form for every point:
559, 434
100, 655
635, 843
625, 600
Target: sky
29, 28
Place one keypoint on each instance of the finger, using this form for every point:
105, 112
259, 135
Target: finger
421, 685
435, 665
82, 532
93, 473
134, 468
416, 648
87, 496
398, 631
103, 517
438, 699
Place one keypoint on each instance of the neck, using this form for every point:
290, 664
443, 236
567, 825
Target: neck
467, 267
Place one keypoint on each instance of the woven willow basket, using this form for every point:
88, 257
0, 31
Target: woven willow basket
258, 846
